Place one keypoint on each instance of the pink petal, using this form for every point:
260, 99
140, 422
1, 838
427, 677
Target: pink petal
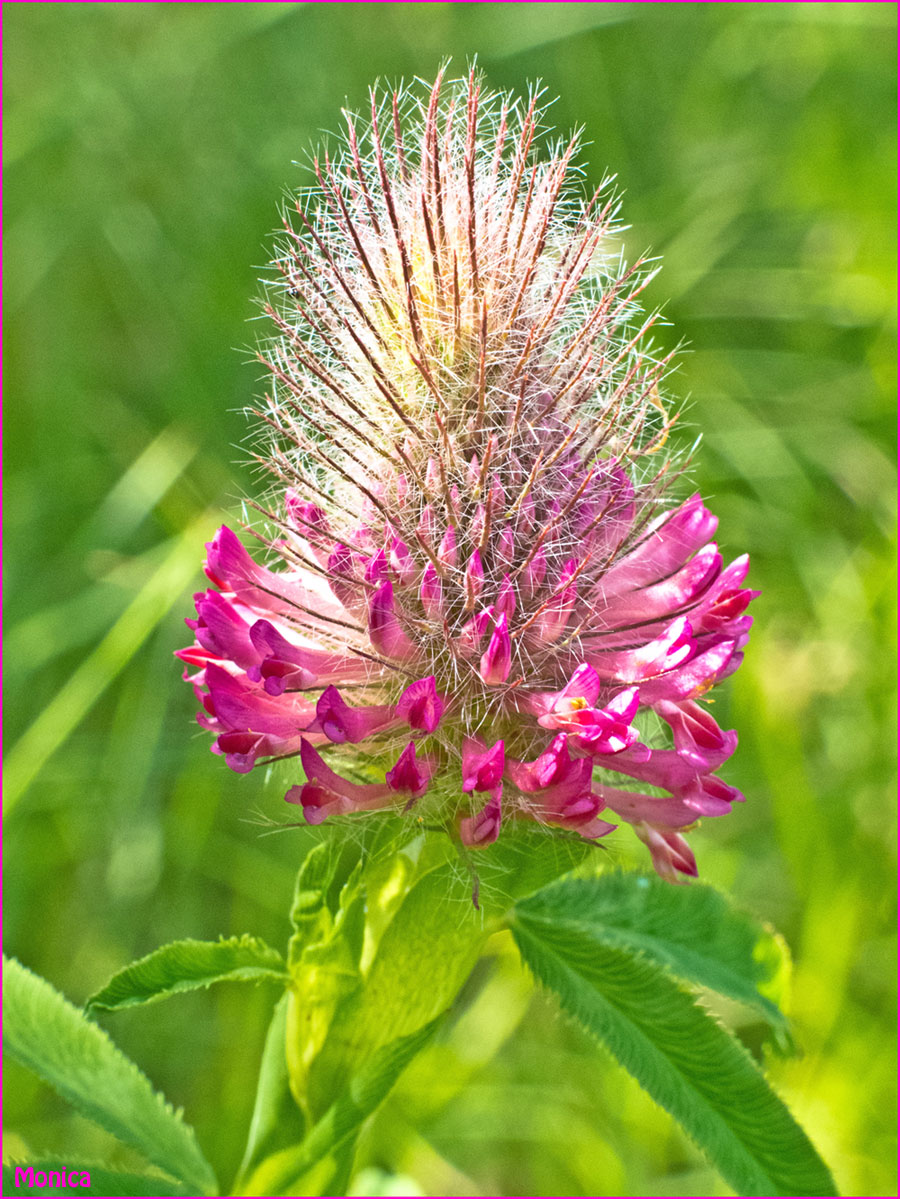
506, 598
483, 828
300, 666
668, 543
421, 706
473, 580
402, 562
431, 594
551, 622
409, 775
671, 853
698, 737
447, 555
385, 632
326, 793
482, 768
339, 722
497, 658
692, 679
663, 599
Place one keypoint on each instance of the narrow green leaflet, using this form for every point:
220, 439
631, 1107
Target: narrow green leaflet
283, 1172
187, 966
681, 1056
694, 931
50, 1036
103, 1181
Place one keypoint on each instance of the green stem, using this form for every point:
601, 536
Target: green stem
276, 1121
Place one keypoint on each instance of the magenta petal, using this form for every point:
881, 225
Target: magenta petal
553, 765
583, 688
410, 775
504, 548
313, 667
339, 722
326, 793
472, 633
231, 567
594, 730
624, 704
242, 749
671, 854
594, 828
533, 574
584, 684
698, 737
497, 658
552, 620
692, 679
710, 796
635, 807
473, 580
310, 523
343, 577
483, 828
431, 594
559, 790
376, 569
385, 632
477, 523
505, 602
402, 562
420, 705
679, 591
473, 474
433, 475
223, 628
241, 707
657, 657
427, 526
721, 610
482, 768
658, 767
447, 555
668, 543
227, 562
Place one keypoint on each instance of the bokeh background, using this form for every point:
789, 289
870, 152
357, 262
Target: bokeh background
147, 148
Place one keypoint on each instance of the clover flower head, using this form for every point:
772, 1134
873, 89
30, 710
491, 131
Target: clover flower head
477, 585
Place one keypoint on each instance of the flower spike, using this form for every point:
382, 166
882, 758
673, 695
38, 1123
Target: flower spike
478, 582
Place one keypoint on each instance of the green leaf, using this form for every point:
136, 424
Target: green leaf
50, 1036
283, 1172
693, 931
324, 956
103, 1180
527, 857
681, 1056
187, 966
422, 960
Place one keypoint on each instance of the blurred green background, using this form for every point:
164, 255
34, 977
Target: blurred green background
147, 147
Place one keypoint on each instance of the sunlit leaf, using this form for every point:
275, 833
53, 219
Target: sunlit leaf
681, 1056
103, 1180
694, 931
187, 966
50, 1036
